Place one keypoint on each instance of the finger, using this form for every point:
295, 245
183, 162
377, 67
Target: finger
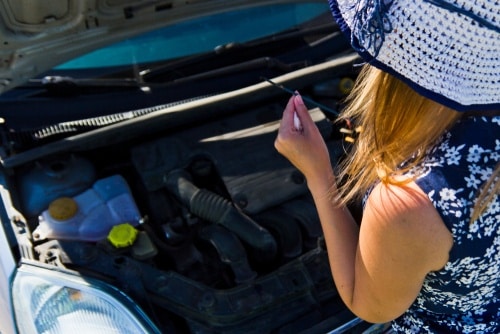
302, 111
299, 104
296, 121
287, 118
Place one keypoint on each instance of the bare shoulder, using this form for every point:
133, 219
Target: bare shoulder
405, 215
402, 238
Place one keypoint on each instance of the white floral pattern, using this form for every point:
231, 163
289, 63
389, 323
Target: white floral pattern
463, 297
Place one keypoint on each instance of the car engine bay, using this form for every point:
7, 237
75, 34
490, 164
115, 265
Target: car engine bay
218, 233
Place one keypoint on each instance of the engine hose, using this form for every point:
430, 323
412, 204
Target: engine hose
216, 209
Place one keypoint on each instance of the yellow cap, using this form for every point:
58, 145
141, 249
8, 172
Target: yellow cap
345, 85
63, 208
122, 235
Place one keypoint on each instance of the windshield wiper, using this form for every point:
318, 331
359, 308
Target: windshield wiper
227, 59
67, 86
267, 45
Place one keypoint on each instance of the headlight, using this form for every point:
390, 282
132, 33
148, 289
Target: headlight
48, 301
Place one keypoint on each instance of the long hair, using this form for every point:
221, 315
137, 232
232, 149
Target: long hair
397, 124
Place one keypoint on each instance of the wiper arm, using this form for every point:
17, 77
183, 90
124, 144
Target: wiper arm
259, 63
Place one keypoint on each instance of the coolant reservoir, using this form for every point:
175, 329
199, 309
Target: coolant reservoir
54, 178
90, 215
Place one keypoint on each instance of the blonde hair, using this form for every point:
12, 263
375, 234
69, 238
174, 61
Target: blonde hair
397, 124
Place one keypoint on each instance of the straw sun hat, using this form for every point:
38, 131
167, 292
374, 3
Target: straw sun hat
448, 51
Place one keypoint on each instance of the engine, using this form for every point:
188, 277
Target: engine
206, 227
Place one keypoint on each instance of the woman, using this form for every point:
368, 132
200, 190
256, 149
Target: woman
427, 252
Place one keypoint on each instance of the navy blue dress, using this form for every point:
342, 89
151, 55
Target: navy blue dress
463, 297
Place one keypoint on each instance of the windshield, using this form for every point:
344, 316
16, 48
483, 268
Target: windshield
199, 35
201, 57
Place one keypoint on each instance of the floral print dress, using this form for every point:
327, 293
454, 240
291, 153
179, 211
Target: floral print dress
463, 297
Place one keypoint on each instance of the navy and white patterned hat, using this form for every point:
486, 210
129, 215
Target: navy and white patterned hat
446, 50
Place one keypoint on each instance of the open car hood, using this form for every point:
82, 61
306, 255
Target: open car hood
38, 35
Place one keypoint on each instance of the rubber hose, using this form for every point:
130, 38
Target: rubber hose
216, 209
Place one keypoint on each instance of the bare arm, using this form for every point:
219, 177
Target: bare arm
379, 268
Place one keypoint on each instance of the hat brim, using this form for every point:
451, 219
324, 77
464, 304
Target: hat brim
398, 57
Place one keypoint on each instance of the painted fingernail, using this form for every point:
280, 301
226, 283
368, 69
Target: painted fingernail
298, 98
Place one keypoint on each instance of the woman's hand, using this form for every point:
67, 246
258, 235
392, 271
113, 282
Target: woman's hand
379, 269
304, 146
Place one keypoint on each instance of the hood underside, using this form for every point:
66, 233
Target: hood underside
38, 35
